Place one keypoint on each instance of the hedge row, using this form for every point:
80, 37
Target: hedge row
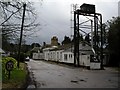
4, 61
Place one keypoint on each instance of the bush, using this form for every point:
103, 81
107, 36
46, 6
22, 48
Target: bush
22, 56
6, 59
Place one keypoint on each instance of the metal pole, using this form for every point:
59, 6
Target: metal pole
78, 36
97, 36
91, 33
95, 33
19, 50
101, 42
74, 38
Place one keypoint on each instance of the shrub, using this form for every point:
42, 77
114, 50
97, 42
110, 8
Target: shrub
22, 56
6, 59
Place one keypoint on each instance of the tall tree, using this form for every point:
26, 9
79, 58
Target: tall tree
35, 45
114, 39
81, 38
66, 40
11, 16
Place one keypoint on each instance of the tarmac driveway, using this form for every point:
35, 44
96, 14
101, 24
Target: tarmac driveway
48, 75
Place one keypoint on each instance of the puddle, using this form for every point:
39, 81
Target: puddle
82, 80
74, 81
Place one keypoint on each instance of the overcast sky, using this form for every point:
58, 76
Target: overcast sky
54, 17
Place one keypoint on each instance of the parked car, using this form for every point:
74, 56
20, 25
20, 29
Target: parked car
27, 59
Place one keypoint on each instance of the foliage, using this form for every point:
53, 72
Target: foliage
113, 40
35, 45
22, 56
17, 78
6, 59
11, 16
0, 68
66, 40
80, 38
28, 53
13, 48
25, 48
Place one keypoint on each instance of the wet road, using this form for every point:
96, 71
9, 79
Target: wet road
48, 75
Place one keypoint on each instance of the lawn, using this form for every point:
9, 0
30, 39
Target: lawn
0, 74
17, 78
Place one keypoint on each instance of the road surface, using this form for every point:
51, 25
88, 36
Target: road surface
47, 75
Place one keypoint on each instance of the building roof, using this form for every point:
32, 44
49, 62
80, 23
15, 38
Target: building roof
83, 49
36, 49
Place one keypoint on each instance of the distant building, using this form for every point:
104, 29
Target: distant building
37, 53
119, 8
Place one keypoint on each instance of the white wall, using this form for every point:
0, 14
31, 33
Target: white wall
52, 55
38, 56
95, 65
59, 55
46, 55
67, 57
85, 60
35, 55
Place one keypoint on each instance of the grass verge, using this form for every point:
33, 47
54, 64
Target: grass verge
17, 78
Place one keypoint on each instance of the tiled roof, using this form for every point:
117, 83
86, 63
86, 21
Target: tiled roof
35, 49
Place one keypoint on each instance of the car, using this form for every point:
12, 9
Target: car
27, 59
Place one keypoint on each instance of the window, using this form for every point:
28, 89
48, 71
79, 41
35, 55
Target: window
60, 55
65, 57
57, 55
71, 55
88, 57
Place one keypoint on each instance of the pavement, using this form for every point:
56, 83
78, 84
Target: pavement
47, 75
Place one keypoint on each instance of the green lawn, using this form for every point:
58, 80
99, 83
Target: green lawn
17, 77
0, 74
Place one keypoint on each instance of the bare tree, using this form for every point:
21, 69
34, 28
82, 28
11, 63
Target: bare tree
11, 16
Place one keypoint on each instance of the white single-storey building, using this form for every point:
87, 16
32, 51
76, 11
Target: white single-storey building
37, 53
49, 53
65, 54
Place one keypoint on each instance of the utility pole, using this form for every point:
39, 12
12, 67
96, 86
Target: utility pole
75, 38
19, 50
91, 33
78, 37
101, 42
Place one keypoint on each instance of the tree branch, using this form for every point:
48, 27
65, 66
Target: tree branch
9, 17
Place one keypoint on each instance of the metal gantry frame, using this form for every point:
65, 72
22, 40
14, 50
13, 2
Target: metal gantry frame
97, 18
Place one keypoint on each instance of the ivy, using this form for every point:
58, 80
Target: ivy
4, 61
